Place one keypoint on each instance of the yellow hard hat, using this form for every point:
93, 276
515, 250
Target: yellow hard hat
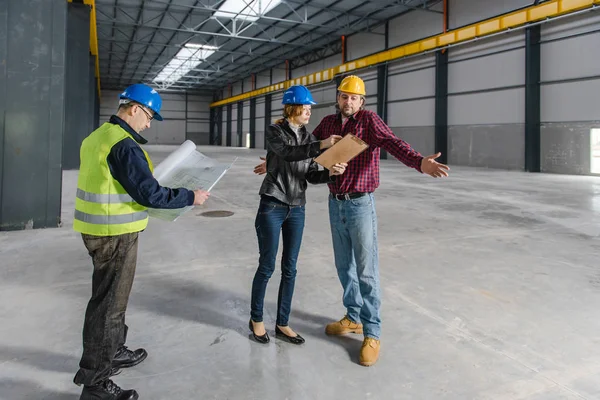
352, 84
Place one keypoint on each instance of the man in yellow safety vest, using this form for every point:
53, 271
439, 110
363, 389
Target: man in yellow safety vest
114, 190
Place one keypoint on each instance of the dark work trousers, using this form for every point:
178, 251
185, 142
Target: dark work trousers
104, 329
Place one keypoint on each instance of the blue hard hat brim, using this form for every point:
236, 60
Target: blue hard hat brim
157, 116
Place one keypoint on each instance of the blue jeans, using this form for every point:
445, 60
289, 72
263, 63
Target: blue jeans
354, 233
273, 218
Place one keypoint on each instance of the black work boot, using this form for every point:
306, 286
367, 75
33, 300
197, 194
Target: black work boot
125, 358
107, 390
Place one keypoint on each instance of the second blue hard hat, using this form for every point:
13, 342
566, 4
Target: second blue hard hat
297, 94
144, 95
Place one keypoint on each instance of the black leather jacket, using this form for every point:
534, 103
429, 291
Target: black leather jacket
290, 165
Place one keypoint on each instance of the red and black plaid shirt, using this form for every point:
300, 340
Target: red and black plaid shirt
362, 173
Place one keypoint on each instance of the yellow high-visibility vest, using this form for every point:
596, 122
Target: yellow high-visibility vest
102, 206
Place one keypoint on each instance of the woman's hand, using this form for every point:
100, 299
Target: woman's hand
330, 141
338, 169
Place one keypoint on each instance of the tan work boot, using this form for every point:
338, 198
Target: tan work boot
343, 326
369, 352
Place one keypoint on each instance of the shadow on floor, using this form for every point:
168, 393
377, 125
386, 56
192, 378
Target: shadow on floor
17, 389
37, 358
201, 303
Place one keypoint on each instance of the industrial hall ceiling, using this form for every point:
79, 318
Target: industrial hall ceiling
203, 45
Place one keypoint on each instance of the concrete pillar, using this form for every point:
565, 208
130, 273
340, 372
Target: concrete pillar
32, 93
79, 112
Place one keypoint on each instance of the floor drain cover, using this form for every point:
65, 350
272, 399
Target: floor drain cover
216, 214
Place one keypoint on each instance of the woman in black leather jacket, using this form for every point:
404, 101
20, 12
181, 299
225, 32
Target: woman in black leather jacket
290, 167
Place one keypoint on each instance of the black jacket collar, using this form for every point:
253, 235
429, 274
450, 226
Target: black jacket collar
136, 136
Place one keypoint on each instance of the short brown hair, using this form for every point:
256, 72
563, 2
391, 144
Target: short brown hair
289, 111
292, 110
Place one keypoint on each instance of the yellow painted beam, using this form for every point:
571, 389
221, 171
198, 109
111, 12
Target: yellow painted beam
547, 10
93, 38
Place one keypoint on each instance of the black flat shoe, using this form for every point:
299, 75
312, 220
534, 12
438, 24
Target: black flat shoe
292, 339
260, 339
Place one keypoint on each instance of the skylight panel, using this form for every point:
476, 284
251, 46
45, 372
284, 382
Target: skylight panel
186, 59
251, 9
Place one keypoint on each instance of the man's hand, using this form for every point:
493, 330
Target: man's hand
330, 141
431, 167
338, 169
200, 197
261, 168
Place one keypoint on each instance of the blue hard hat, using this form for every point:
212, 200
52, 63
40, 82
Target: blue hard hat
146, 96
297, 94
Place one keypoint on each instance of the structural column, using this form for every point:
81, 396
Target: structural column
32, 109
229, 122
240, 123
382, 84
441, 105
532, 99
252, 143
78, 101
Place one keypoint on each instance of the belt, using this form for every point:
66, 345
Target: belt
347, 196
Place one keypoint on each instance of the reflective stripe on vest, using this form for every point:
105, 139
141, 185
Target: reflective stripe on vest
103, 198
110, 219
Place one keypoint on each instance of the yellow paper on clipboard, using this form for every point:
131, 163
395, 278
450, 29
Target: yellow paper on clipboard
342, 152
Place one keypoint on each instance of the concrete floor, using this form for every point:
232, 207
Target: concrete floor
491, 290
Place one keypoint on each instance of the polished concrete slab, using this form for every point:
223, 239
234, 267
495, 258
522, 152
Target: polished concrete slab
491, 290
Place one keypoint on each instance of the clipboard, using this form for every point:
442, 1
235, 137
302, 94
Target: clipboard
342, 152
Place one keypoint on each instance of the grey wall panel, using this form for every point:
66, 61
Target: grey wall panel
279, 73
323, 94
572, 25
32, 109
371, 107
320, 65
565, 148
236, 88
198, 126
166, 132
487, 72
260, 139
465, 12
260, 110
198, 115
571, 58
572, 101
413, 26
411, 64
498, 107
317, 115
276, 106
412, 113
245, 126
420, 83
491, 146
199, 138
172, 114
199, 106
370, 79
421, 138
487, 46
365, 43
247, 84
263, 79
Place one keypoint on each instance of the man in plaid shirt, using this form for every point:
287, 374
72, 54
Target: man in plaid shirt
352, 214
